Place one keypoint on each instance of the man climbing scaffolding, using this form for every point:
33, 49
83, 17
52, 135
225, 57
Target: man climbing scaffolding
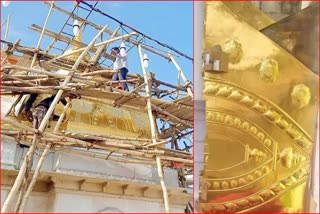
120, 64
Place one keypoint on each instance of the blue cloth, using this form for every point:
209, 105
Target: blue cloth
30, 101
121, 76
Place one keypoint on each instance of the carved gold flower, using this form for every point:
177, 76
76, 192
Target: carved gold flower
269, 70
234, 51
300, 95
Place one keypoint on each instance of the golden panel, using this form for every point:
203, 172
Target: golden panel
106, 119
100, 119
261, 119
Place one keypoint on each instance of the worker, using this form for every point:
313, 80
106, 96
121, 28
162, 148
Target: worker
27, 108
27, 113
42, 108
121, 65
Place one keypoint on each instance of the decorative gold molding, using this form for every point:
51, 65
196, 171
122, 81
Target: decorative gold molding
249, 203
242, 124
232, 92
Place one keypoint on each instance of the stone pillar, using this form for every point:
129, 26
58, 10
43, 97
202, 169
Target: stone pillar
199, 103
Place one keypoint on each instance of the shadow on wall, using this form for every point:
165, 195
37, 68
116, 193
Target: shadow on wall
110, 210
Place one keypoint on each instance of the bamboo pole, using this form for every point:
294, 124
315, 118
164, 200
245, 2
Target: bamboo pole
62, 76
99, 72
131, 94
29, 156
186, 123
24, 184
66, 22
101, 50
4, 22
182, 75
10, 51
178, 82
30, 78
99, 137
21, 206
7, 30
41, 36
44, 154
157, 144
65, 39
154, 134
96, 45
61, 64
18, 80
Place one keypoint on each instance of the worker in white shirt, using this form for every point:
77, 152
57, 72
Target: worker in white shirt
120, 64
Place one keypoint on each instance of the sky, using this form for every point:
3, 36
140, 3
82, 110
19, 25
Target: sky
168, 22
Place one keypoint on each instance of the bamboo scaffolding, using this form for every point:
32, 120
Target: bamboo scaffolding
9, 51
94, 84
17, 79
166, 154
181, 74
60, 64
100, 51
154, 134
87, 153
7, 29
65, 39
41, 35
25, 168
4, 22
187, 123
108, 31
42, 127
96, 45
20, 81
20, 207
51, 74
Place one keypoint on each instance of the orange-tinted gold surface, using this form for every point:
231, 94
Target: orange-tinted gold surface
261, 124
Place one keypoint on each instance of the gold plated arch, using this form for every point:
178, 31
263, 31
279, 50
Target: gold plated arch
261, 119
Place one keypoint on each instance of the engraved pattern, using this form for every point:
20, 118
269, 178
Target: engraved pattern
226, 184
242, 124
249, 203
273, 113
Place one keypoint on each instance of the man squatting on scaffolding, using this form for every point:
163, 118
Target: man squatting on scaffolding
120, 64
41, 109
